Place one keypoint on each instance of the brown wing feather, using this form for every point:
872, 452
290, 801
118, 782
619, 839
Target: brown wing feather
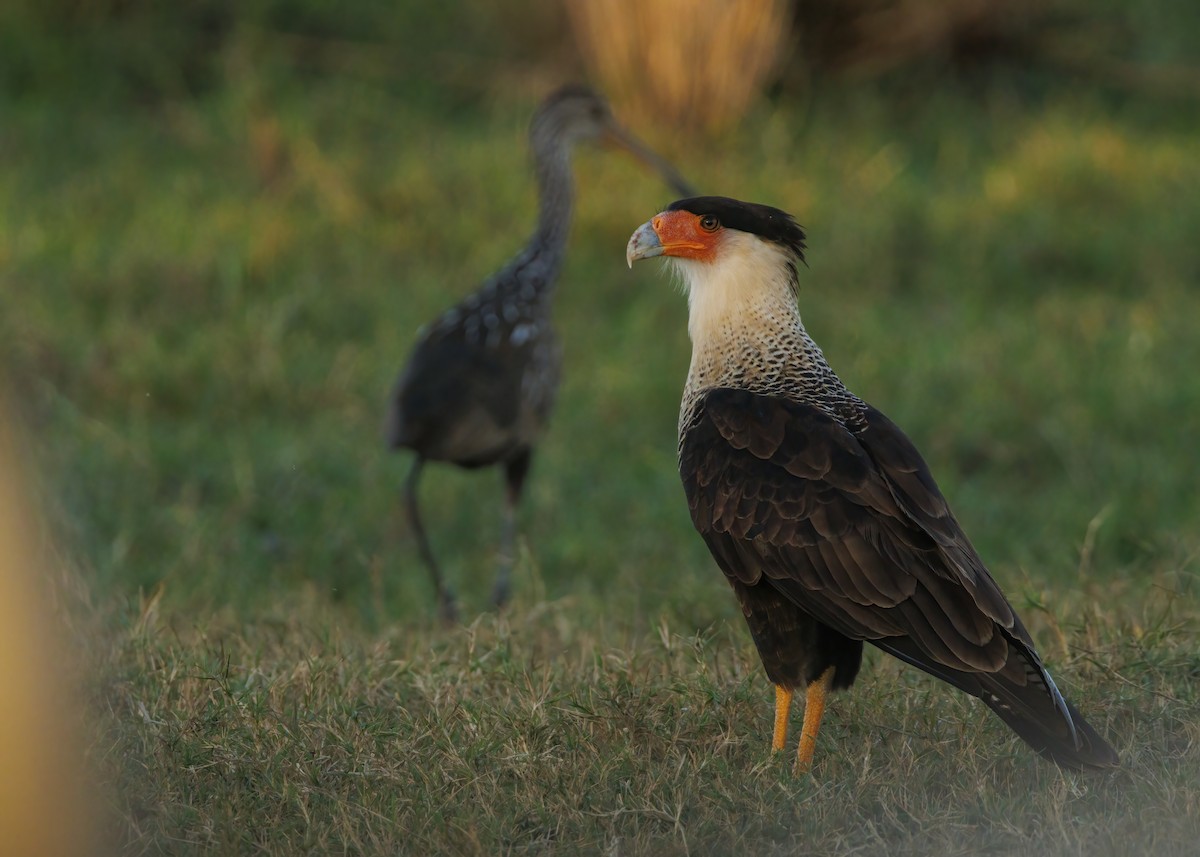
917, 494
824, 514
852, 528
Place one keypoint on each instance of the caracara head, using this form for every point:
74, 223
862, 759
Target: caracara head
703, 229
737, 259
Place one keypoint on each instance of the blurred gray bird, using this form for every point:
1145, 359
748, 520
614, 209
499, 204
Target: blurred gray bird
481, 382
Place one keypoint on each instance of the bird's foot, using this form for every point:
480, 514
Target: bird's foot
501, 593
447, 608
804, 760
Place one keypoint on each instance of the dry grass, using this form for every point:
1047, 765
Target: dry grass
531, 733
690, 63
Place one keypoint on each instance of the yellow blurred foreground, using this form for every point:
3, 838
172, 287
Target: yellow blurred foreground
42, 811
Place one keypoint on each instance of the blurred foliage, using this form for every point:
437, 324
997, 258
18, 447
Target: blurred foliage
146, 50
689, 63
211, 276
872, 37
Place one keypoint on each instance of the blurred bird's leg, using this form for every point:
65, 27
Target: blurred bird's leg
814, 710
515, 470
783, 706
447, 606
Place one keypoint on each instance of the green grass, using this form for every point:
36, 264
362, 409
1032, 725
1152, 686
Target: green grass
205, 301
544, 733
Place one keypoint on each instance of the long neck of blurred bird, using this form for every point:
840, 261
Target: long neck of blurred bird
556, 197
541, 260
747, 333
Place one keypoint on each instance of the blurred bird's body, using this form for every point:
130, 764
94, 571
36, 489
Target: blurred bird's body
481, 382
823, 516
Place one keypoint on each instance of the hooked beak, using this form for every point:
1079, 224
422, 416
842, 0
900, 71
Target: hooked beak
643, 244
618, 136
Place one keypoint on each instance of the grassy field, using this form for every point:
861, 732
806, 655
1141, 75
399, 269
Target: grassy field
206, 296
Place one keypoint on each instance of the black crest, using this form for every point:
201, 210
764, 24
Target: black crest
770, 223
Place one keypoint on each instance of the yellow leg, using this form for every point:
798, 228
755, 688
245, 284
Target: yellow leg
814, 709
783, 705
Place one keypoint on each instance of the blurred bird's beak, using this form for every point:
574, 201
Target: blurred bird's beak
643, 244
618, 136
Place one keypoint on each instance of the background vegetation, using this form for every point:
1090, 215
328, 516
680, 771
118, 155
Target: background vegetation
220, 226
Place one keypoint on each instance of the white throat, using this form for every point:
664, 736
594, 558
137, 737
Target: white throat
747, 333
742, 298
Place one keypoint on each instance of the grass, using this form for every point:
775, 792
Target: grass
533, 733
206, 298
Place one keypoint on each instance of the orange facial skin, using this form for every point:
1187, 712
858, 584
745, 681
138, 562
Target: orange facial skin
681, 234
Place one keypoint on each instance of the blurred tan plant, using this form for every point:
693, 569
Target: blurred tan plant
691, 63
42, 811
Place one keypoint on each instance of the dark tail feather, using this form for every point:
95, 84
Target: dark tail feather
1050, 734
1035, 710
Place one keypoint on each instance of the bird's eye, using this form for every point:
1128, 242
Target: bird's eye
709, 223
